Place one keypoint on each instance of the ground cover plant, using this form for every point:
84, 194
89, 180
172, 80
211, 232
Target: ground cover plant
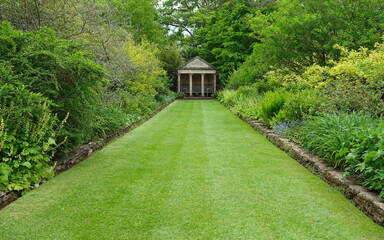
366, 159
332, 135
193, 171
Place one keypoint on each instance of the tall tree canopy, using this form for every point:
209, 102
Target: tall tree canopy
304, 32
219, 31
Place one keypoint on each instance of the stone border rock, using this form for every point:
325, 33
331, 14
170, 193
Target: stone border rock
81, 153
368, 202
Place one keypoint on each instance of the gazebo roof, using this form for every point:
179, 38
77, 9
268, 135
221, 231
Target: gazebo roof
197, 63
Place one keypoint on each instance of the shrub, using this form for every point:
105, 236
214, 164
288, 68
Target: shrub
247, 91
248, 107
108, 119
331, 135
299, 105
27, 138
366, 159
271, 104
345, 96
60, 70
228, 97
355, 83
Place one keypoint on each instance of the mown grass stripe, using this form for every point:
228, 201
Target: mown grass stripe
194, 171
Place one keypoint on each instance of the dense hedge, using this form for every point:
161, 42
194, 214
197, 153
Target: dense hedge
54, 97
28, 130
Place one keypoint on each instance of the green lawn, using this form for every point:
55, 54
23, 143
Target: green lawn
194, 171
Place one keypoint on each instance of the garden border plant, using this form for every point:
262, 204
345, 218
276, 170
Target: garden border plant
366, 201
82, 152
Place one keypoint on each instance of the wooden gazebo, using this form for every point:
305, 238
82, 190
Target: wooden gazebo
197, 78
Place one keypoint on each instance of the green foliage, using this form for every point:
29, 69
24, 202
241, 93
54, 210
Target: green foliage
27, 138
244, 101
271, 104
183, 17
366, 159
228, 97
332, 135
61, 71
171, 60
109, 118
304, 32
225, 40
250, 72
73, 18
356, 82
248, 107
140, 18
300, 34
299, 105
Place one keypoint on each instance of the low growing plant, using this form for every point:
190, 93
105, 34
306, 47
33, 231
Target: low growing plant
271, 104
299, 105
228, 97
28, 130
366, 159
288, 129
331, 135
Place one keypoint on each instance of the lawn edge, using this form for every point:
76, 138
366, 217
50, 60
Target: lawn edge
81, 153
366, 201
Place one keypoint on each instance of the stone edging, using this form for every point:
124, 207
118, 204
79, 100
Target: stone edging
368, 202
79, 154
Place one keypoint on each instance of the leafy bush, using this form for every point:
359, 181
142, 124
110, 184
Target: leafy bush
248, 107
60, 70
271, 104
166, 98
228, 97
27, 138
355, 83
345, 96
108, 119
366, 159
331, 135
299, 106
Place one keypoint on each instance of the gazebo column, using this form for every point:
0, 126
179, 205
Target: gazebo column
178, 83
214, 83
202, 84
190, 84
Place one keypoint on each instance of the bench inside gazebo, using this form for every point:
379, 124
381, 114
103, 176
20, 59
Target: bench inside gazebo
197, 78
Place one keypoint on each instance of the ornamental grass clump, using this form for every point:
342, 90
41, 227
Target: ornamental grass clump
331, 135
271, 104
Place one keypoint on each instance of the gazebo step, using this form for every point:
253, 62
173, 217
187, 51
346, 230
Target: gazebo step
197, 98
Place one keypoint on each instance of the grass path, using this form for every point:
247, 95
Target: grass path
194, 171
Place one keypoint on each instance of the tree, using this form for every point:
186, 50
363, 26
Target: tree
142, 19
183, 17
171, 61
303, 32
226, 39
